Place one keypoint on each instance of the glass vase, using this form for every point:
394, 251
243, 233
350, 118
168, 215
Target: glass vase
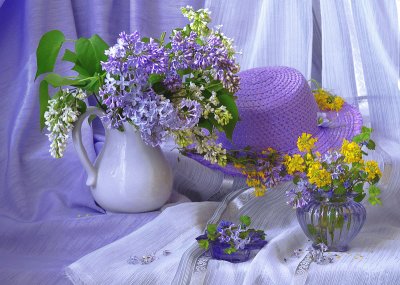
333, 223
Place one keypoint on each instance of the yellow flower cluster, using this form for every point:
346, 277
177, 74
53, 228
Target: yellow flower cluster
327, 101
306, 142
294, 163
256, 179
318, 175
351, 151
372, 169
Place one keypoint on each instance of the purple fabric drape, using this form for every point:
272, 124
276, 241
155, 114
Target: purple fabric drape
48, 218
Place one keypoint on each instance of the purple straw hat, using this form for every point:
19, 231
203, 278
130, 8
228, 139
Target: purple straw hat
276, 106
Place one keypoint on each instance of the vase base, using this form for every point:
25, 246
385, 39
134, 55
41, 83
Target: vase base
333, 248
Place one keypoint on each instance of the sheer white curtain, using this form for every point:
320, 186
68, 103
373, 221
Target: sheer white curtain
360, 48
268, 32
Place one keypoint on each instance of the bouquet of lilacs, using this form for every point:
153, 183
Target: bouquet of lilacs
181, 86
335, 175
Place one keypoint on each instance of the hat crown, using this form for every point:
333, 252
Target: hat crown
275, 106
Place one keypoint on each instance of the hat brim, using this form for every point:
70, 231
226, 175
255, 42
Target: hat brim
345, 124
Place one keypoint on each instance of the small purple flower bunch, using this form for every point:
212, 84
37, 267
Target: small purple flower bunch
233, 237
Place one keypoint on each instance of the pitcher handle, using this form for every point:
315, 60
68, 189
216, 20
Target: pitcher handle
80, 149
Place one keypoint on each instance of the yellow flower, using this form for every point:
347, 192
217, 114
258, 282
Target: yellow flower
327, 101
321, 97
306, 143
318, 175
372, 169
338, 103
351, 151
238, 165
260, 190
294, 164
259, 186
309, 159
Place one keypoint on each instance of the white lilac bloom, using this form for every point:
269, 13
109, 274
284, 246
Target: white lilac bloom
60, 118
207, 110
222, 115
213, 98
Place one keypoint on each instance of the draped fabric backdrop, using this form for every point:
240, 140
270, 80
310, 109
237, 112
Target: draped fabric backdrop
48, 218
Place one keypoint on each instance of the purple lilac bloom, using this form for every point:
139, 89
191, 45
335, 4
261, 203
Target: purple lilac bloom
327, 157
229, 232
126, 92
273, 177
151, 115
172, 81
210, 55
224, 237
128, 95
299, 196
339, 170
223, 224
190, 113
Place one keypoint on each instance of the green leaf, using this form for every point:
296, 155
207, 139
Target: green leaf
47, 51
375, 180
206, 124
358, 187
230, 250
340, 190
246, 220
70, 56
184, 72
56, 80
82, 71
81, 106
203, 243
168, 45
371, 145
357, 139
43, 101
87, 56
359, 197
92, 84
296, 179
155, 78
374, 191
366, 130
214, 86
162, 37
361, 137
212, 229
229, 102
374, 201
199, 41
100, 46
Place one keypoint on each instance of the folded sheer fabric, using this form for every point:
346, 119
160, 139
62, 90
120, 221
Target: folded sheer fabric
175, 229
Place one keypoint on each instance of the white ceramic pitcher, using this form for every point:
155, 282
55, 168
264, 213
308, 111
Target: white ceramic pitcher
128, 175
